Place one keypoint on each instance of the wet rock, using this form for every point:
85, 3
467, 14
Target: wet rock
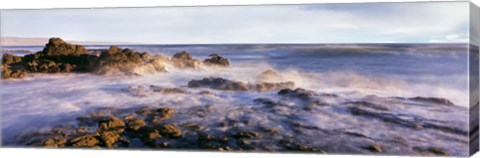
56, 47
441, 101
136, 124
216, 60
266, 86
111, 123
375, 148
369, 105
268, 74
162, 114
144, 111
88, 140
218, 83
119, 61
247, 134
108, 139
130, 116
432, 150
166, 90
185, 60
55, 142
170, 130
224, 84
265, 101
8, 59
299, 93
296, 146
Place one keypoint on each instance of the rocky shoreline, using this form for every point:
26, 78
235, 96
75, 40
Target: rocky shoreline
61, 57
280, 116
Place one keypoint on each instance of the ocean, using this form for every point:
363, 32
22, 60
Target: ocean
377, 73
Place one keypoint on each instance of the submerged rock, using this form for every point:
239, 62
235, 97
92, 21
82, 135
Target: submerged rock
224, 84
299, 93
216, 60
441, 101
170, 130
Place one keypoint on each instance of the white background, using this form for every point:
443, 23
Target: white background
80, 153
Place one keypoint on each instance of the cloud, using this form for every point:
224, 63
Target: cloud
320, 23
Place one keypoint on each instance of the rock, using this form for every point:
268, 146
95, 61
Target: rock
369, 105
224, 84
166, 90
170, 130
55, 142
88, 140
438, 151
57, 47
218, 83
8, 59
265, 101
182, 56
247, 134
118, 61
136, 124
268, 74
216, 60
375, 148
130, 116
266, 86
185, 60
162, 114
111, 123
299, 93
109, 138
432, 100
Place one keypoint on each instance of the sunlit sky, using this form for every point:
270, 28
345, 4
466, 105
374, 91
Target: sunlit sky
320, 23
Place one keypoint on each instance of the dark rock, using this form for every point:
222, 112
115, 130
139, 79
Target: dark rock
162, 114
136, 124
111, 123
247, 134
265, 101
166, 90
8, 59
432, 100
170, 130
216, 60
224, 84
91, 119
375, 148
108, 139
88, 140
57, 47
299, 93
185, 60
55, 142
369, 105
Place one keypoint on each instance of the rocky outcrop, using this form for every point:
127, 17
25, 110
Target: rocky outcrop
185, 60
216, 60
126, 61
229, 85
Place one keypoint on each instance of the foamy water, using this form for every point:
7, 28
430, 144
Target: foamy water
40, 101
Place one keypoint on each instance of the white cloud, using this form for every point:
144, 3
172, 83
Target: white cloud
338, 23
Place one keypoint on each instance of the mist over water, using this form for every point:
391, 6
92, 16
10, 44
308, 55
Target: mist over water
350, 71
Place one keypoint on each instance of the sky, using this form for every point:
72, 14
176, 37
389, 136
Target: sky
426, 22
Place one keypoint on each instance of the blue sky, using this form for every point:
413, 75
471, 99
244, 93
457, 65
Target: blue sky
425, 22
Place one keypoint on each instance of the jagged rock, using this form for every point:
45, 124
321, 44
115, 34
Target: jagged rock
216, 60
224, 84
185, 60
170, 130
136, 124
88, 140
55, 142
299, 93
58, 47
8, 59
111, 123
108, 139
162, 114
247, 134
